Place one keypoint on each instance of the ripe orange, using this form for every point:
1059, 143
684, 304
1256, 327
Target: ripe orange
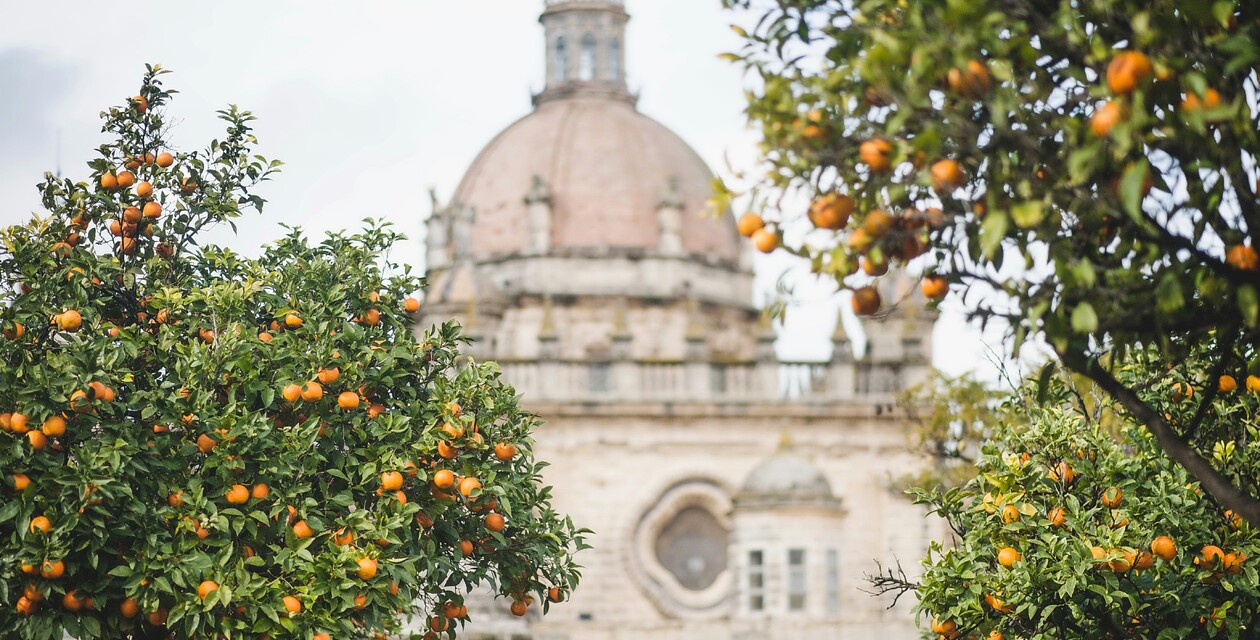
1143, 561
1010, 513
129, 608
303, 530
144, 189
1226, 384
519, 607
1008, 556
71, 601
1210, 555
997, 604
360, 601
165, 160
876, 153
443, 479
367, 569
293, 605
54, 426
504, 451
291, 393
152, 210
264, 336
37, 439
328, 376
176, 499
1112, 497
1062, 472
554, 594
206, 588
1057, 517
260, 492
14, 331
1182, 391
206, 444
935, 287
439, 624
1242, 257
324, 636
52, 570
495, 522
238, 494
158, 618
1106, 118
1124, 562
391, 481
411, 305
292, 320
831, 211
343, 537
125, 179
749, 223
1233, 562
1164, 548
69, 320
947, 175
312, 392
866, 301
948, 628
446, 451
1127, 70
42, 524
372, 317
765, 240
468, 485
874, 266
348, 400
877, 223
466, 547
973, 81
1192, 102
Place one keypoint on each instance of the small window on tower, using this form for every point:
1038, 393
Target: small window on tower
562, 60
586, 65
756, 581
796, 580
614, 59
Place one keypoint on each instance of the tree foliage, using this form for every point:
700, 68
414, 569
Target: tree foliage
1070, 530
1081, 171
201, 445
952, 418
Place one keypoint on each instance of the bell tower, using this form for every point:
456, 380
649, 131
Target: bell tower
585, 48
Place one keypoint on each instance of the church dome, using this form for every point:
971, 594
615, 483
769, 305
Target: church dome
784, 478
607, 170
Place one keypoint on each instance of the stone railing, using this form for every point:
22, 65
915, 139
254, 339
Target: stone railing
692, 381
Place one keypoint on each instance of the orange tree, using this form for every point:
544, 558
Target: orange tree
201, 445
1080, 171
1074, 529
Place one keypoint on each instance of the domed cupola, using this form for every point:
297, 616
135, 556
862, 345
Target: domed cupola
785, 478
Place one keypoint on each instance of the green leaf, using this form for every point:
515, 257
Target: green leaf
1027, 214
1169, 297
1248, 304
992, 232
1131, 188
1084, 318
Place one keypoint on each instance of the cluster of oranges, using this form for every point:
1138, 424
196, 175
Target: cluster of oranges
1126, 73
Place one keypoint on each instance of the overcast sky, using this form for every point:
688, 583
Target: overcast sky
369, 104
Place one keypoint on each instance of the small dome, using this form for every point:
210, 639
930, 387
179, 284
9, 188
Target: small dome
607, 169
784, 477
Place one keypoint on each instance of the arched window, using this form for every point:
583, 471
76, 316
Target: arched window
562, 60
586, 65
614, 60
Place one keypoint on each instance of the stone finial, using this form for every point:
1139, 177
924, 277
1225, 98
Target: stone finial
538, 210
669, 215
548, 324
695, 324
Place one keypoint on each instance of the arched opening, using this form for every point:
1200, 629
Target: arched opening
586, 64
562, 60
614, 59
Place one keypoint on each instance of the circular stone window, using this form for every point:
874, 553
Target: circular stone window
680, 550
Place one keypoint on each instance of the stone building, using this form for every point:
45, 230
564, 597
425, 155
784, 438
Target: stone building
732, 495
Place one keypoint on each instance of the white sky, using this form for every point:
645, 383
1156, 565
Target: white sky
369, 104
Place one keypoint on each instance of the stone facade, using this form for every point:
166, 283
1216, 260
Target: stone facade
732, 495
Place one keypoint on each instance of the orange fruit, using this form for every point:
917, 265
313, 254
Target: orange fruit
1164, 548
877, 154
1106, 118
1182, 391
21, 482
1010, 513
1226, 384
391, 481
292, 320
360, 601
446, 451
54, 426
69, 320
41, 524
495, 522
14, 331
1124, 562
468, 485
176, 499
1008, 556
328, 376
37, 439
831, 211
141, 103
343, 537
443, 479
749, 223
302, 530
109, 181
466, 547
205, 443
1127, 70
348, 400
1242, 257
17, 422
165, 160
129, 608
947, 175
52, 570
125, 179
206, 588
411, 305
934, 287
71, 601
291, 393
1192, 102
1210, 555
948, 628
152, 210
439, 624
1062, 472
312, 392
519, 607
877, 223
367, 569
1113, 497
158, 618
238, 494
504, 451
1056, 517
144, 189
554, 594
1143, 561
293, 605
1233, 562
866, 301
264, 336
997, 604
972, 81
765, 240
